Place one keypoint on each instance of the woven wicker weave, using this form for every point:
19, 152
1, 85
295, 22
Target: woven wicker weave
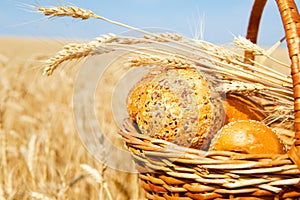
168, 171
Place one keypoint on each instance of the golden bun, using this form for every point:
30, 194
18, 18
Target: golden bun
247, 136
239, 107
177, 105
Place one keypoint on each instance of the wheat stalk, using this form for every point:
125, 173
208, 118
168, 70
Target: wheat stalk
105, 186
74, 51
2, 193
31, 154
75, 12
76, 179
231, 58
270, 50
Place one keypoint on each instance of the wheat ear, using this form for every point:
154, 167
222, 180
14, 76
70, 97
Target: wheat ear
75, 12
70, 11
74, 51
92, 173
97, 177
246, 44
240, 87
158, 60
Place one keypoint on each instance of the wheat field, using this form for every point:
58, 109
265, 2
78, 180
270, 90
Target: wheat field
41, 154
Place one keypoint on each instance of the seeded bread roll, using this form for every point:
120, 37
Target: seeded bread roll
247, 136
176, 105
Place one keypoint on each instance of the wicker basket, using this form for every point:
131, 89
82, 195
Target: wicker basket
168, 171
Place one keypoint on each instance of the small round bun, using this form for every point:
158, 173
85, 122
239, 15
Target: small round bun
240, 107
247, 136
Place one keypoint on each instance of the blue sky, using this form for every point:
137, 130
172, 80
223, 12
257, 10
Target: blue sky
221, 18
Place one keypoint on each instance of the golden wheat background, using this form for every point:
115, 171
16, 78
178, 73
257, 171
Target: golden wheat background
41, 155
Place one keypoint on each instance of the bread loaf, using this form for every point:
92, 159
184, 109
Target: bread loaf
177, 105
247, 136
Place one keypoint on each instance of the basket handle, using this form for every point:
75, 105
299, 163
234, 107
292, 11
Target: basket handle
291, 22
